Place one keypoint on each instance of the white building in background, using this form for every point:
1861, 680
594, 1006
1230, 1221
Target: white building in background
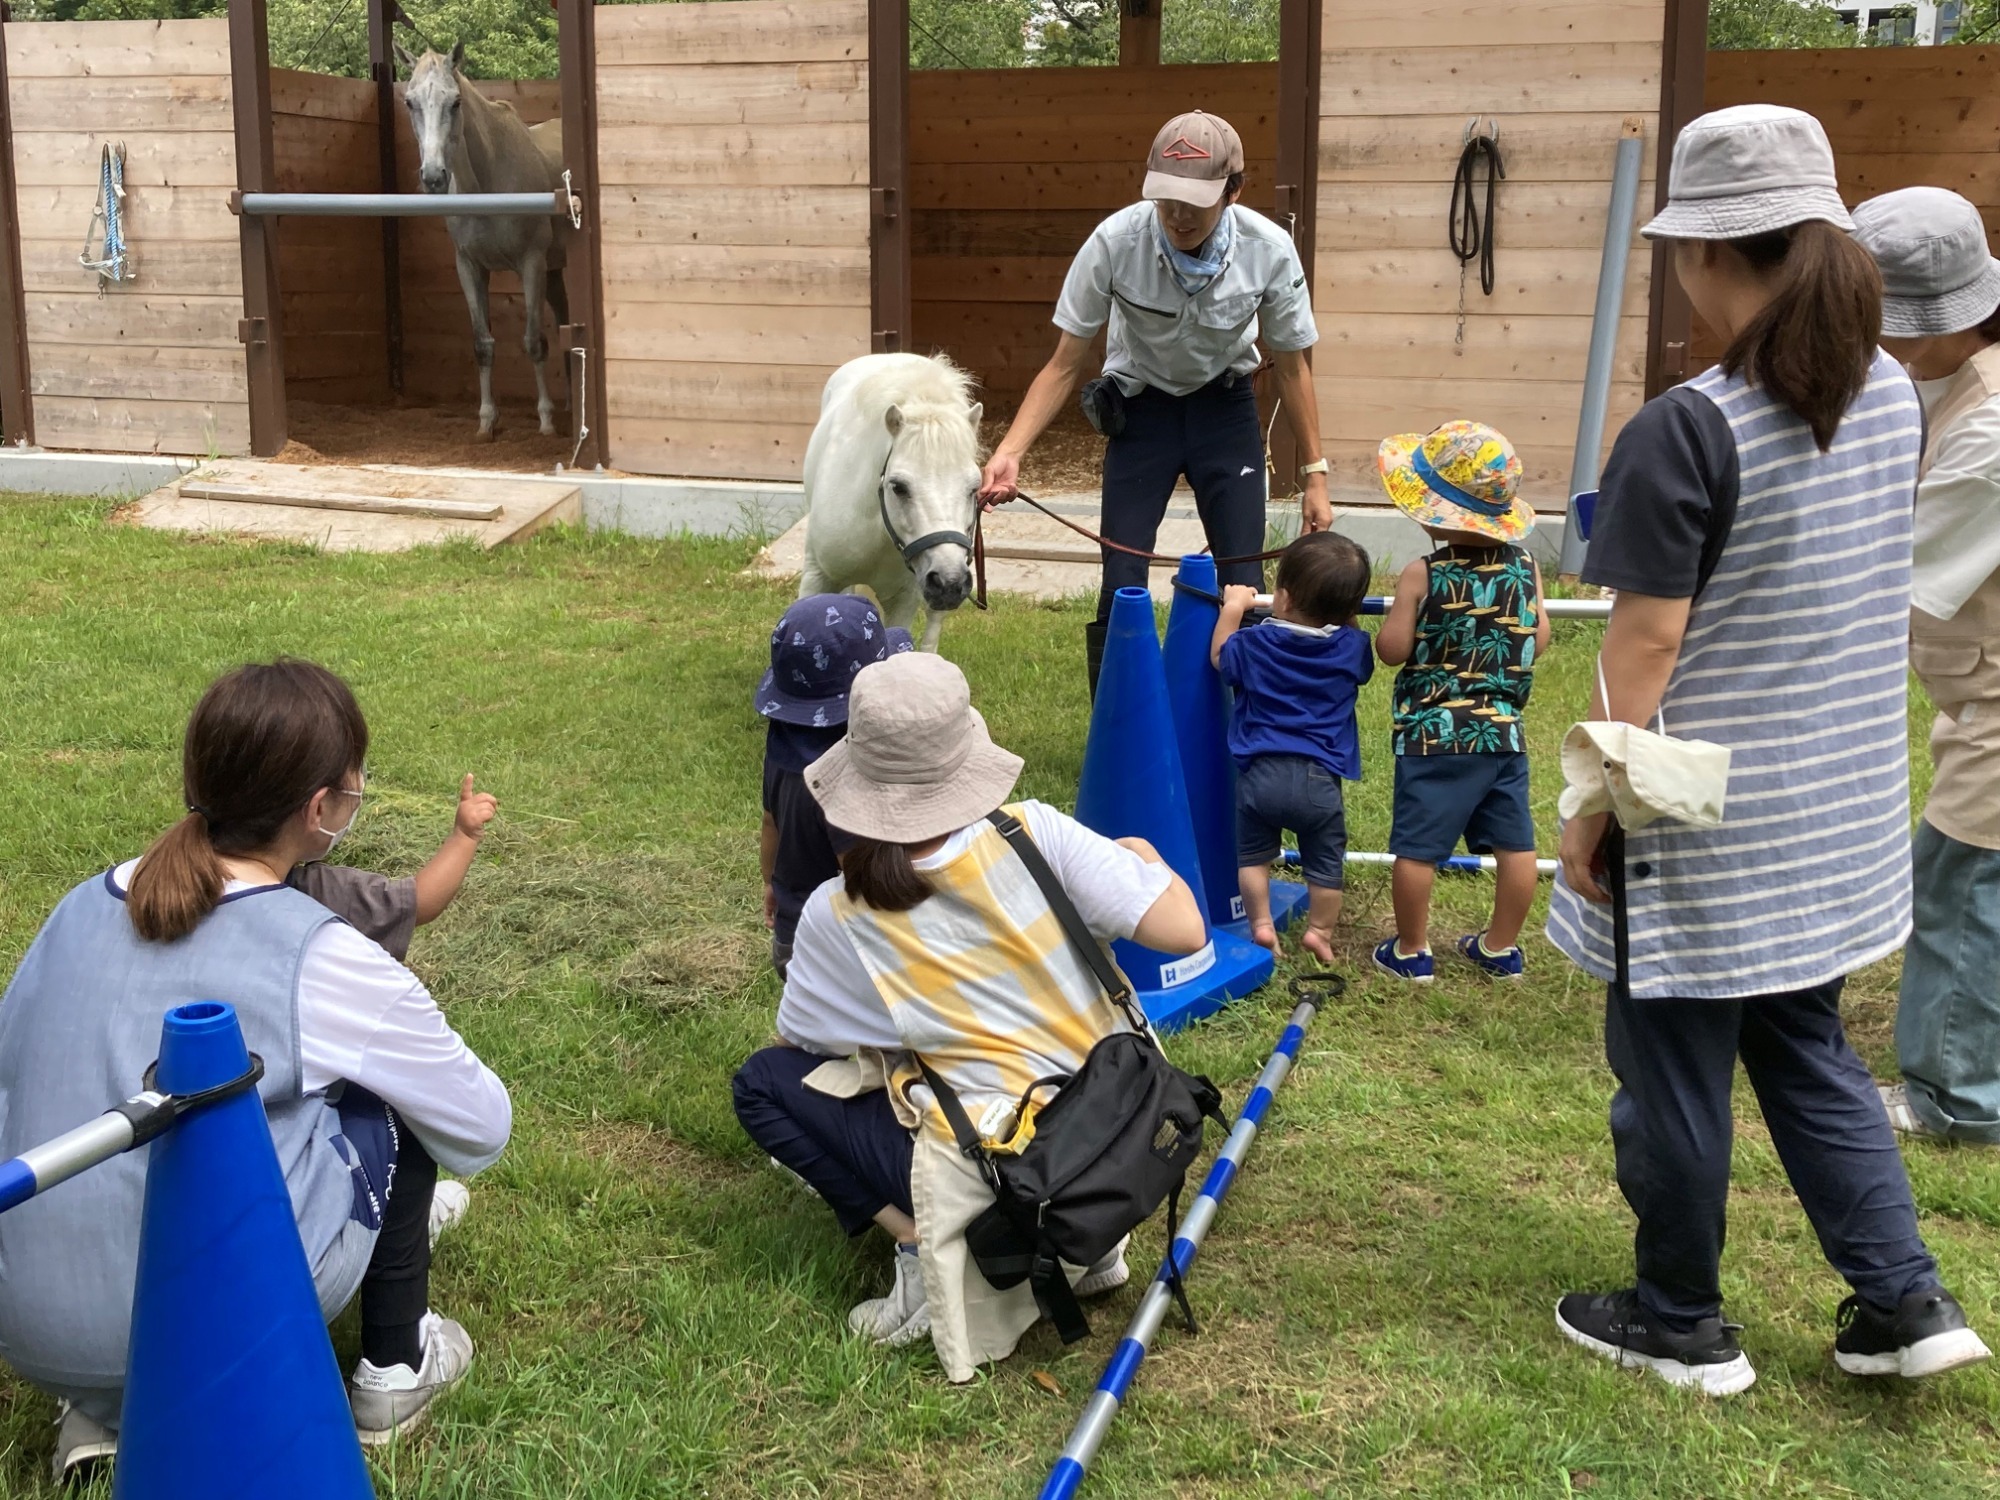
1926, 23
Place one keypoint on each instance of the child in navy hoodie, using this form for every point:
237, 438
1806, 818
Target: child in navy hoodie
1292, 731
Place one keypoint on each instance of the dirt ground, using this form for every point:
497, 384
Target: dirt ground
436, 437
1069, 456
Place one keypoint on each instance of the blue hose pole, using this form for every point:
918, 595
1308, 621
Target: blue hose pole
1088, 1434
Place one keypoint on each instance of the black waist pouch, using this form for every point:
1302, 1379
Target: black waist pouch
1114, 1143
1103, 404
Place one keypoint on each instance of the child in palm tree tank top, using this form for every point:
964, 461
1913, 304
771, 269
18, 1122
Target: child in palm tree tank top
1465, 627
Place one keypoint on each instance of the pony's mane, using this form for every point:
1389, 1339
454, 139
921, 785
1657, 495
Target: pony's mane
935, 398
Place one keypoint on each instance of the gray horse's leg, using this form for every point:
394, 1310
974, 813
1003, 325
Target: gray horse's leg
472, 280
933, 628
534, 286
558, 294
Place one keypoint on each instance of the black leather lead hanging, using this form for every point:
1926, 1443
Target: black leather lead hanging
1469, 227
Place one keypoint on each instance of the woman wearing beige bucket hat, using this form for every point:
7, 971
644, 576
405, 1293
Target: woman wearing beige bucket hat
1756, 525
1941, 315
936, 941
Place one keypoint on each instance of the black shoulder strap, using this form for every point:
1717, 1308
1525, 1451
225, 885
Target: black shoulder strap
1071, 919
954, 1113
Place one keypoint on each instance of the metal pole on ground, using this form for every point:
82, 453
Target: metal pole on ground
1087, 1436
1603, 338
1458, 864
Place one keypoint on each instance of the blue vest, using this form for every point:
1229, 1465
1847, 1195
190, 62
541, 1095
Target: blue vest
78, 1027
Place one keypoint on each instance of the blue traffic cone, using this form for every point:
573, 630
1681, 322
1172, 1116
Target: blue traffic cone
231, 1388
1132, 785
1201, 714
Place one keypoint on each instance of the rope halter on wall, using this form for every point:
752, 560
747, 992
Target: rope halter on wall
114, 260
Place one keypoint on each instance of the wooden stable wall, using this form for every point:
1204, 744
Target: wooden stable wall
736, 261
152, 365
438, 367
1897, 117
1011, 170
1399, 81
330, 270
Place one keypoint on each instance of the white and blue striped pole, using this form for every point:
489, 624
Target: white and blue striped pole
1088, 1434
1555, 609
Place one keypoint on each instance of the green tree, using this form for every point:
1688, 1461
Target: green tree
968, 33
1759, 25
1211, 31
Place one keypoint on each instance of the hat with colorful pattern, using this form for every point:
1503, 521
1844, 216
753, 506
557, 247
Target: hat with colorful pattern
820, 643
1460, 477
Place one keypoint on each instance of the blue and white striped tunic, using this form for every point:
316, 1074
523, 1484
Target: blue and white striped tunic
1796, 658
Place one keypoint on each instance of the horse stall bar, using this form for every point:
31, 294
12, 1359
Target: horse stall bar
149, 364
405, 205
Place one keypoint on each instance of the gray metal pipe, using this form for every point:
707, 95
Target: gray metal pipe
1555, 609
400, 205
1603, 343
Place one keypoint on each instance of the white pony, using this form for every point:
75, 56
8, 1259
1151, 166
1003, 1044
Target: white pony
892, 487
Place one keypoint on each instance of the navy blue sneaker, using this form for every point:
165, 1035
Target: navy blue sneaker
1415, 967
1506, 964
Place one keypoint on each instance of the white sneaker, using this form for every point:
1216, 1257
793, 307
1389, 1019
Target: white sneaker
1903, 1116
1107, 1275
398, 1400
449, 1201
902, 1317
80, 1440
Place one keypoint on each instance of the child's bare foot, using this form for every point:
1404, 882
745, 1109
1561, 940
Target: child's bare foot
1319, 942
1265, 935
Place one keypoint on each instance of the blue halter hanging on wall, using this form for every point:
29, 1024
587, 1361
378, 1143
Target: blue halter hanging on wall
114, 263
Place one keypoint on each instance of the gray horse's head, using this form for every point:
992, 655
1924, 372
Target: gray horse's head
432, 97
930, 487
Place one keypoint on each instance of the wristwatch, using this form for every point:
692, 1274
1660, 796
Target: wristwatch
1317, 466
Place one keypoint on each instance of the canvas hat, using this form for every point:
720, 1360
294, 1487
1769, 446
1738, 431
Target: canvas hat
820, 643
1461, 477
1938, 276
1746, 170
1192, 159
917, 762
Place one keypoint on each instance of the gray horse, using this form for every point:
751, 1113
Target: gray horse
468, 143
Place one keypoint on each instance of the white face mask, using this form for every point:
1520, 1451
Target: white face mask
332, 835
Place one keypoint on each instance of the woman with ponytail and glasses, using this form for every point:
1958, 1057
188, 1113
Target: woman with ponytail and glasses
1756, 525
367, 1088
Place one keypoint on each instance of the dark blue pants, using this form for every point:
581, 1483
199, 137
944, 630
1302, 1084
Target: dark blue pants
1670, 1123
1212, 437
853, 1152
394, 1181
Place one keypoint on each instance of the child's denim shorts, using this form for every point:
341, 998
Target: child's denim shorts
1442, 798
1277, 792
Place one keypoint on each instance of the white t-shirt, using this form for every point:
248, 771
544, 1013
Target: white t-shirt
1955, 540
830, 1004
367, 1020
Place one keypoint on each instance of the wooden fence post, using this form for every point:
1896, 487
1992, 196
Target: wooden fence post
262, 327
1683, 72
1296, 190
17, 408
1139, 33
382, 65
888, 175
576, 27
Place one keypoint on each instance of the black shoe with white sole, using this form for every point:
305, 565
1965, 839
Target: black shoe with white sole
1614, 1325
1926, 1335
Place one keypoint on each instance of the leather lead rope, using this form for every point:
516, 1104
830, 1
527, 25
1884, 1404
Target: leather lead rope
1468, 228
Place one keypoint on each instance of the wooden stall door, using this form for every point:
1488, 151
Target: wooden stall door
733, 153
151, 365
1400, 80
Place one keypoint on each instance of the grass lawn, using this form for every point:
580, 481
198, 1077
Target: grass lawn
658, 1313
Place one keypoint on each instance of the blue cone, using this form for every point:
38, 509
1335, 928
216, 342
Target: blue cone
231, 1388
1201, 717
1132, 785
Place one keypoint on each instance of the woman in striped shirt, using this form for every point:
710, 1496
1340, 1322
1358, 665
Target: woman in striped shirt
1756, 525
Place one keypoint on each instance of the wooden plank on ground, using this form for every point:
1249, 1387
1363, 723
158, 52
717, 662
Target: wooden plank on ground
783, 215
1620, 77
745, 31
1534, 148
752, 156
380, 505
810, 93
813, 276
197, 103
117, 49
137, 373
739, 334
729, 450
122, 426
129, 316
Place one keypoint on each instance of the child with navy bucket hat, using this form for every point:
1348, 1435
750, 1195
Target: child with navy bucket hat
817, 647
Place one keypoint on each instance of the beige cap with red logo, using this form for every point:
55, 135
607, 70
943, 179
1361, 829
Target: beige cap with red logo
1192, 159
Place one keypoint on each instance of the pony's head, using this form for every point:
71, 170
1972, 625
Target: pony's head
930, 480
432, 97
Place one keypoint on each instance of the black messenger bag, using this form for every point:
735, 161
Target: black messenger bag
1114, 1142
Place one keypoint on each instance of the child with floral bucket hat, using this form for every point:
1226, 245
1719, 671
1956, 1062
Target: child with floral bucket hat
1465, 626
817, 647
